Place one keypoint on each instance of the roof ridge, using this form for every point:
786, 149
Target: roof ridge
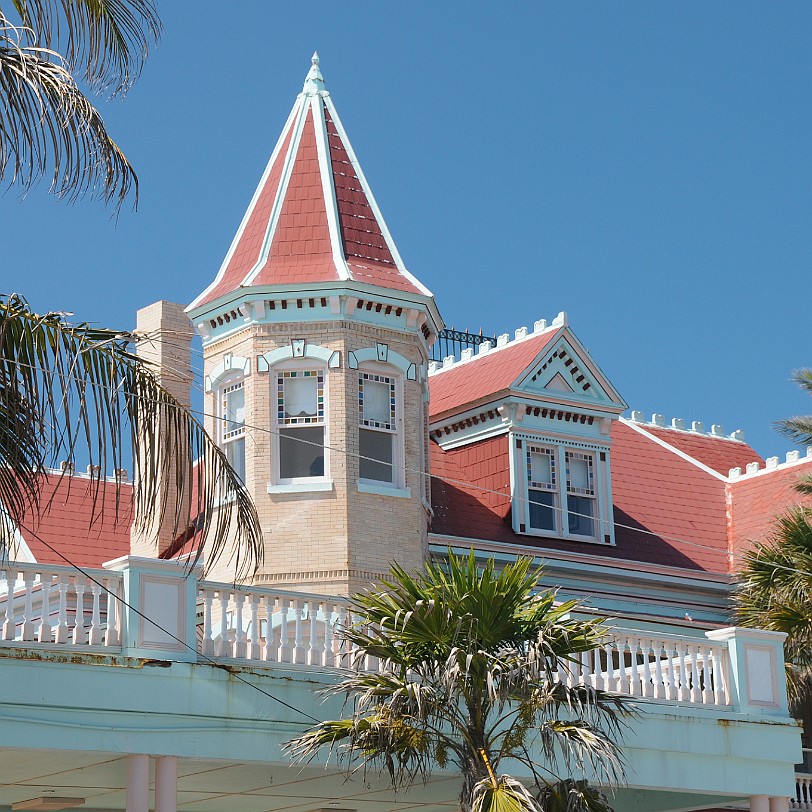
503, 341
678, 424
640, 429
792, 458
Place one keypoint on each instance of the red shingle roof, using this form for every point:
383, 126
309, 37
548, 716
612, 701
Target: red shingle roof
719, 453
483, 377
313, 219
756, 500
86, 534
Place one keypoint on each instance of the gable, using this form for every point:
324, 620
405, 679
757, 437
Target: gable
565, 371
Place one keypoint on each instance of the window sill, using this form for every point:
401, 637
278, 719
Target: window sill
302, 487
384, 490
552, 535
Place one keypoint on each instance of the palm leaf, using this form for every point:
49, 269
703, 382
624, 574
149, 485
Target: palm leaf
105, 41
49, 128
75, 390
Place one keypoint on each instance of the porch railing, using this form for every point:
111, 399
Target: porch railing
157, 609
803, 792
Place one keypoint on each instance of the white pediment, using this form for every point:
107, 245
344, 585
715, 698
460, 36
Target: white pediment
565, 371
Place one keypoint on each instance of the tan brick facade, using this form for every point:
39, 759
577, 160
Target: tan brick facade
335, 541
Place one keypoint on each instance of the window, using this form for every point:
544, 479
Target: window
232, 427
300, 422
562, 496
377, 416
580, 493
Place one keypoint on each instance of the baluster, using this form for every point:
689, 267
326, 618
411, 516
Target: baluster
314, 654
682, 694
207, 644
79, 628
608, 674
583, 672
705, 677
659, 688
28, 631
111, 637
9, 625
693, 673
95, 637
62, 631
254, 644
222, 648
44, 632
668, 670
270, 649
624, 675
342, 654
645, 647
239, 635
329, 651
284, 642
298, 635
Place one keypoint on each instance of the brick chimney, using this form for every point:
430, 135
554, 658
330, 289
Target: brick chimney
164, 339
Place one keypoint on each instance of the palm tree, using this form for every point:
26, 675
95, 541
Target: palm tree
469, 660
77, 390
775, 583
48, 127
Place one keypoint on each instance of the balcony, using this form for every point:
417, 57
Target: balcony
714, 728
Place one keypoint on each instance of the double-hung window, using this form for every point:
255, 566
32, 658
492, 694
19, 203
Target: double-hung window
560, 491
300, 420
378, 419
232, 425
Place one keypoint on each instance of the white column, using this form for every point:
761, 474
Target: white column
138, 783
779, 804
166, 784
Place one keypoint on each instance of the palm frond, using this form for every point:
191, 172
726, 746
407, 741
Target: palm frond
573, 796
105, 41
49, 129
502, 794
68, 390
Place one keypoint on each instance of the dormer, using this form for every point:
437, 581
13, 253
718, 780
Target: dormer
544, 391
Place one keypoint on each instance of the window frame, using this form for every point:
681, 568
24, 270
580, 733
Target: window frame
395, 379
224, 387
522, 447
279, 372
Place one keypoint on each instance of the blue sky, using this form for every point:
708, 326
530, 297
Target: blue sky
644, 166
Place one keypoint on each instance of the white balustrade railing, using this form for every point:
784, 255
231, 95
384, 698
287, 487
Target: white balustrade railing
803, 792
265, 625
59, 605
665, 667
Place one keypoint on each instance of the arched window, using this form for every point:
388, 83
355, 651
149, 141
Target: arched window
226, 382
300, 423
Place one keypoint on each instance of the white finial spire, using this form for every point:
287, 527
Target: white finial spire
314, 82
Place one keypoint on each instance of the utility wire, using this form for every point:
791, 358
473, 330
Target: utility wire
469, 485
157, 625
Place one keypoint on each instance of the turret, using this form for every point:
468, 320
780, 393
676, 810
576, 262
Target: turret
316, 341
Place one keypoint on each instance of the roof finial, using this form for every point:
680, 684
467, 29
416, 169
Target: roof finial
314, 82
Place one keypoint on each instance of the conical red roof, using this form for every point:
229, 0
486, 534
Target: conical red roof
313, 217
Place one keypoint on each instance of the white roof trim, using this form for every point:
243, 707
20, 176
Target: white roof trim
281, 192
328, 188
238, 236
687, 457
372, 202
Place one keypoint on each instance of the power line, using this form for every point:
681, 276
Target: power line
166, 631
470, 485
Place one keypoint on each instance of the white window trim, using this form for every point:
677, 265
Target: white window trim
278, 484
225, 382
398, 485
602, 518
